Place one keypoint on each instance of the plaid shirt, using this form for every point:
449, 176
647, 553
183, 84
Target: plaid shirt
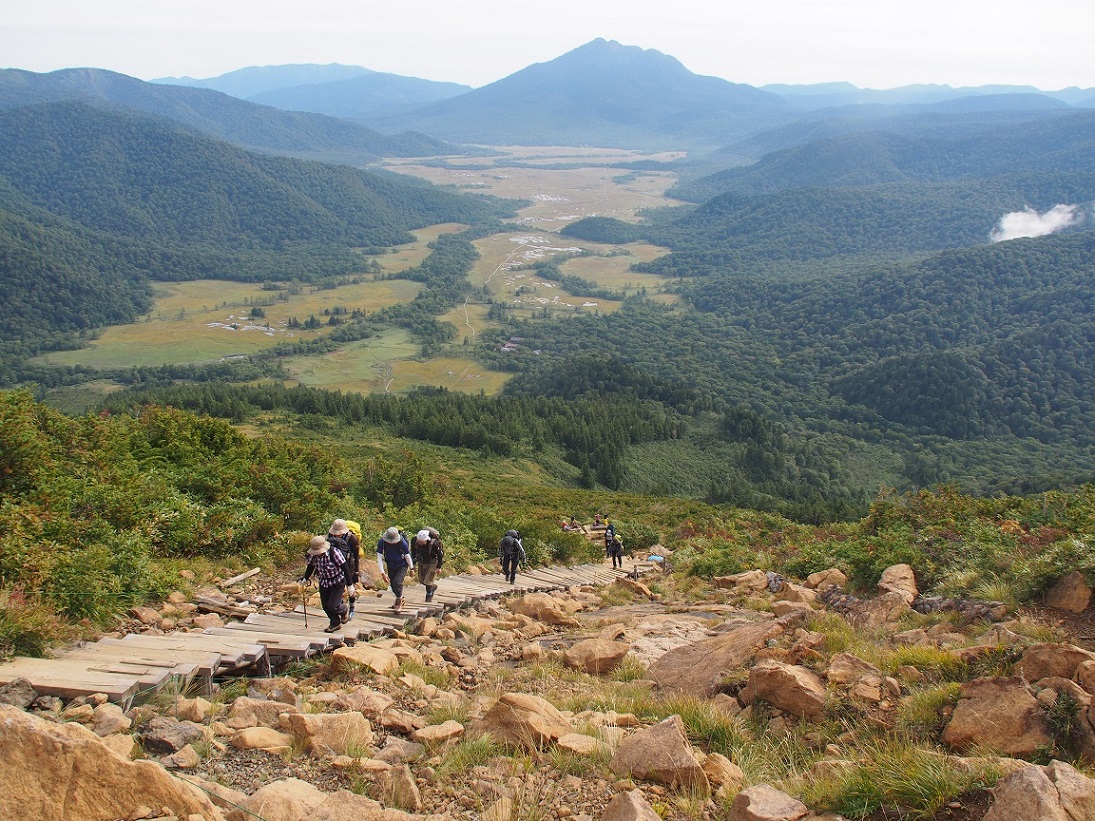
329, 568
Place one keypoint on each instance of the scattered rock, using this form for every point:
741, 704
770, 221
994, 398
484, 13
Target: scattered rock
699, 668
18, 693
595, 656
163, 736
898, 578
791, 688
1071, 593
661, 753
1000, 714
523, 720
763, 802
629, 806
331, 734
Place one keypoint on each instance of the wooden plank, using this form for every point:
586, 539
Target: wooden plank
275, 644
100, 660
364, 627
233, 652
254, 571
206, 662
49, 679
351, 630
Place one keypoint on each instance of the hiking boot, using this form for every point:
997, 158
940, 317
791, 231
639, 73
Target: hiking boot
332, 628
398, 605
343, 618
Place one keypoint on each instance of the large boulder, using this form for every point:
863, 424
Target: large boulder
844, 668
827, 578
163, 736
595, 656
699, 668
899, 578
370, 703
288, 800
545, 608
787, 687
1071, 593
1051, 660
661, 753
376, 659
1054, 793
1000, 714
524, 720
331, 734
60, 772
255, 712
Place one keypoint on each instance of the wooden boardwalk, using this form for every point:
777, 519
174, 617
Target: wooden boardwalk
141, 664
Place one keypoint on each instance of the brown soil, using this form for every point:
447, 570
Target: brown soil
969, 806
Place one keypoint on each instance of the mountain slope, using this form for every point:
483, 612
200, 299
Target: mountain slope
93, 203
1061, 143
363, 98
601, 93
245, 124
247, 82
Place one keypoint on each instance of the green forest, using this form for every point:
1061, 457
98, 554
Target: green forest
838, 333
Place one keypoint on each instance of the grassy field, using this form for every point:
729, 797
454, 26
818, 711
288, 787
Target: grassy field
389, 364
202, 321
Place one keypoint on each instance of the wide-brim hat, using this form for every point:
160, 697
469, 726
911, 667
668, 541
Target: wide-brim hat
339, 526
391, 536
318, 546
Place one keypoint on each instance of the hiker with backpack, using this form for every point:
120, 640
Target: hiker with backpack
393, 558
331, 570
610, 533
616, 552
512, 554
428, 556
342, 536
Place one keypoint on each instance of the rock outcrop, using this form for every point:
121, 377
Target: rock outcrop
61, 772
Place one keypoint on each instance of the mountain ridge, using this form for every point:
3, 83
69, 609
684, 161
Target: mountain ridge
248, 125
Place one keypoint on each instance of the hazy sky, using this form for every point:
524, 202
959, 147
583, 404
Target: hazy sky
871, 43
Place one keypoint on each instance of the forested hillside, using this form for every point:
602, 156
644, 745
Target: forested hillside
95, 204
1062, 143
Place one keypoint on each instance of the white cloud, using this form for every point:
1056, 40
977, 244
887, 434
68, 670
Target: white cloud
1029, 223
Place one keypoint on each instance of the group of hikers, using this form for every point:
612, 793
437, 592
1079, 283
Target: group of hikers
334, 560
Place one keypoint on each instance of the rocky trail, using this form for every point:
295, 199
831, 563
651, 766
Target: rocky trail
625, 700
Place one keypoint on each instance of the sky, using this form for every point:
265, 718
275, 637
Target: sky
870, 43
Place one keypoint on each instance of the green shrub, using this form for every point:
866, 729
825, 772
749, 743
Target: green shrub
28, 626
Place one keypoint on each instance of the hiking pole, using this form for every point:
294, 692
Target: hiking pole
304, 601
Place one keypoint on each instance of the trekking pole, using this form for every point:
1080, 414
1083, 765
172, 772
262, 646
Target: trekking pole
304, 601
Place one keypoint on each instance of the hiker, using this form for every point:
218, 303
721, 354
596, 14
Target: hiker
616, 552
393, 558
343, 537
330, 568
512, 554
610, 534
428, 556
